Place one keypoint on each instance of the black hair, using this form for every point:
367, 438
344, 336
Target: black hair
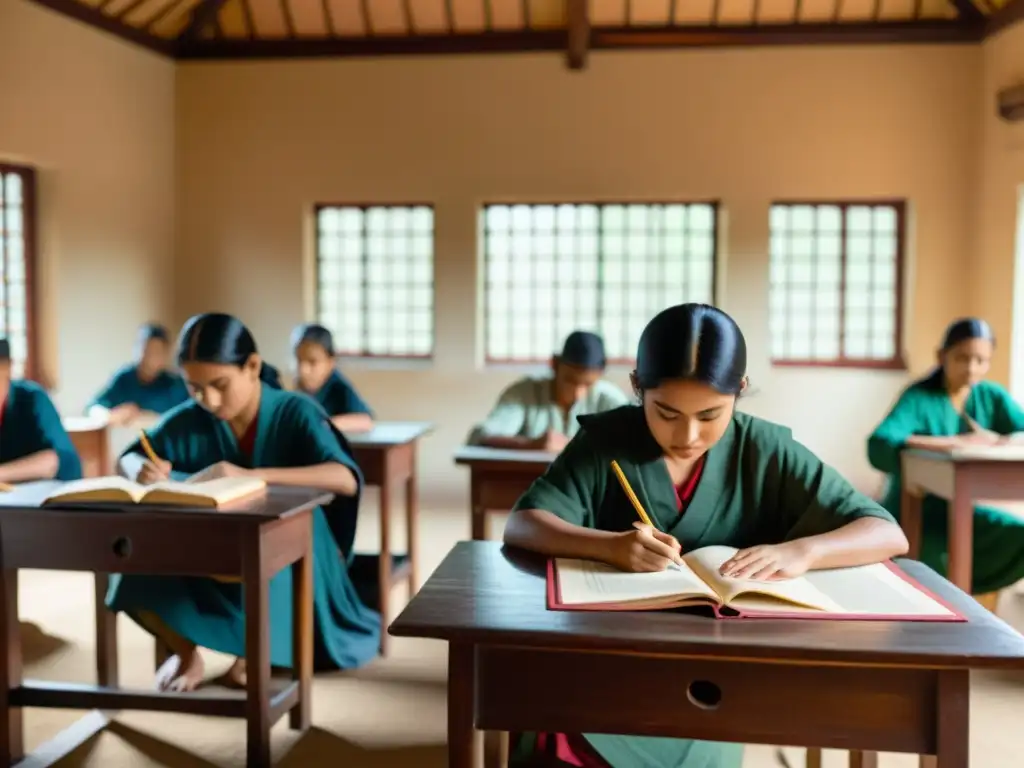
214, 337
960, 330
313, 333
153, 331
5, 350
692, 341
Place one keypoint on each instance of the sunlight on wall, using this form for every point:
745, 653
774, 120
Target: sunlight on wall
1017, 343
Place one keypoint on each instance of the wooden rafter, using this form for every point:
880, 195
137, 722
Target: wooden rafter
967, 10
96, 18
577, 22
203, 15
1008, 15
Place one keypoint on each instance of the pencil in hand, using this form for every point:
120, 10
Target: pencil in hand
640, 511
148, 448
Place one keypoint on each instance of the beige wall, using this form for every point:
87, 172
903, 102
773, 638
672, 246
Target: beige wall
96, 116
259, 143
1000, 180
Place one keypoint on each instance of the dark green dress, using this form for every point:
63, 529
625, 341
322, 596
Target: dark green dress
159, 395
758, 486
291, 430
925, 409
29, 423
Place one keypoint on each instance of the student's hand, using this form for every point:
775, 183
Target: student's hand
217, 471
553, 442
771, 562
154, 473
981, 437
123, 414
643, 550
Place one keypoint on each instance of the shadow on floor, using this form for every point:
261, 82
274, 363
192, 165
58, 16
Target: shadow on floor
37, 645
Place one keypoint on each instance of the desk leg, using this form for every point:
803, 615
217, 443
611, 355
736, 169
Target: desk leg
299, 718
911, 522
813, 758
495, 749
859, 759
952, 742
384, 561
961, 534
412, 520
12, 733
478, 515
256, 587
462, 736
106, 635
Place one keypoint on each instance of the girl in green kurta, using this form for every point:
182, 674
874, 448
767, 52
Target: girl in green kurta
237, 424
955, 406
706, 475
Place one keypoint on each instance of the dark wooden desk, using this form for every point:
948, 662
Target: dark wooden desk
963, 477
387, 456
254, 542
91, 438
497, 478
513, 665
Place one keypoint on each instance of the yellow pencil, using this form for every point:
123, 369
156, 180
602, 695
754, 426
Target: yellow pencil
630, 495
150, 453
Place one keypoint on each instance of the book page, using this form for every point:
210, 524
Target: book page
583, 582
707, 561
875, 590
223, 490
110, 488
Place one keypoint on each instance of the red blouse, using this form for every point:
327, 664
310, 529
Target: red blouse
247, 442
573, 749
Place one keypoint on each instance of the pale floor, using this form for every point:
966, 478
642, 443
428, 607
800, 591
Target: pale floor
389, 714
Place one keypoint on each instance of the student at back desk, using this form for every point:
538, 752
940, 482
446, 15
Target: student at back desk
33, 442
953, 406
540, 412
319, 377
239, 425
147, 385
705, 475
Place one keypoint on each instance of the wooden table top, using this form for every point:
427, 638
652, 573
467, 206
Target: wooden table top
481, 454
486, 593
385, 434
279, 502
995, 453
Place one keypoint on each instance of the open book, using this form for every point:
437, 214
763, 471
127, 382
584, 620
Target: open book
869, 592
209, 494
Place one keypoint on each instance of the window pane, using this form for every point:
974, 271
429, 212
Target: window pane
375, 278
606, 268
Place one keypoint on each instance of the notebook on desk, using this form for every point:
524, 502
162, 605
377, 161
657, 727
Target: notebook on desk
879, 592
208, 494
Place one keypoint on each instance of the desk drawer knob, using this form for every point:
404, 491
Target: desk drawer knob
704, 694
122, 547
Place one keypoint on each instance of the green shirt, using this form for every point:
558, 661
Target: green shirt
526, 409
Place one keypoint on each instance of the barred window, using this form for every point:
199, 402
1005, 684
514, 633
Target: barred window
17, 266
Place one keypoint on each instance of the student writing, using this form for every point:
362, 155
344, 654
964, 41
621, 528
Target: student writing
237, 424
33, 442
952, 406
319, 377
540, 412
145, 385
706, 475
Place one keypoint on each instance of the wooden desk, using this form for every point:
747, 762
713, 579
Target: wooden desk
387, 456
91, 438
254, 542
513, 665
497, 478
962, 477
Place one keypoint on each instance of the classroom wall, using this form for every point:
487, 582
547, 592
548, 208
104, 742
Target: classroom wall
1000, 184
259, 143
96, 116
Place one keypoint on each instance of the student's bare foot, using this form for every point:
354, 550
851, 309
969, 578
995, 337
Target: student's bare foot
235, 677
181, 672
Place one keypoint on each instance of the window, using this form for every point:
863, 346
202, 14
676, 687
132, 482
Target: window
607, 268
17, 259
375, 278
836, 282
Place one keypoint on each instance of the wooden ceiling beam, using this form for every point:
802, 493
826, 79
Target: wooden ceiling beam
203, 15
577, 23
1007, 16
967, 10
99, 20
600, 38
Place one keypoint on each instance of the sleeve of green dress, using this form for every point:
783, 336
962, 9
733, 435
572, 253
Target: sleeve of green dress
813, 497
180, 438
572, 487
889, 437
506, 419
1009, 416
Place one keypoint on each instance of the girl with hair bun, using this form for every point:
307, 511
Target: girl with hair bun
705, 475
237, 424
